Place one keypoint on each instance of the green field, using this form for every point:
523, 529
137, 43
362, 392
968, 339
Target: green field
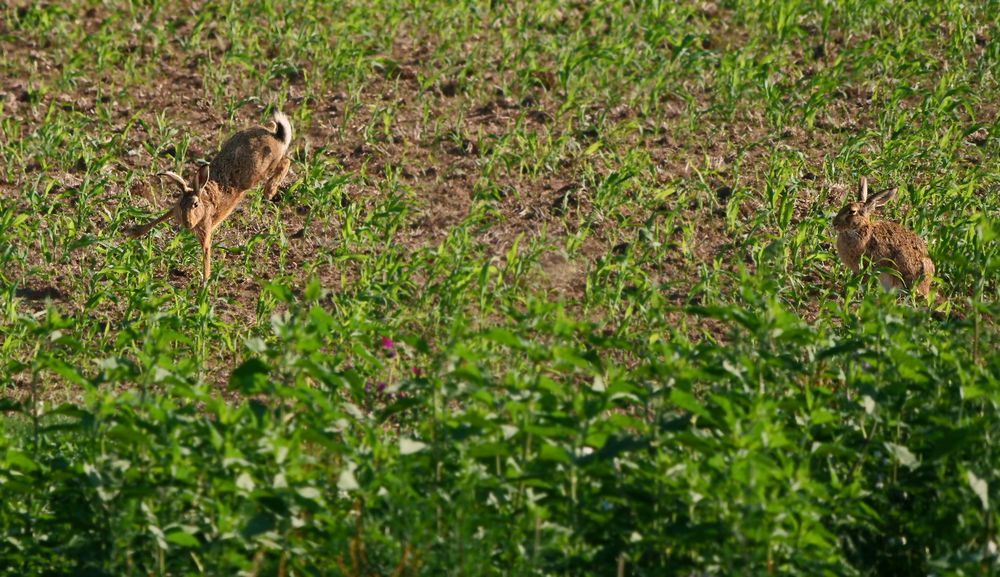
550, 289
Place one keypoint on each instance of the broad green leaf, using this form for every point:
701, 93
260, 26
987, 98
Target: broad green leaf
311, 493
410, 446
245, 481
20, 461
260, 523
182, 539
347, 482
687, 401
903, 455
550, 452
980, 488
248, 377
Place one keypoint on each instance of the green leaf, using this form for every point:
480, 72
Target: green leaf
314, 290
249, 376
245, 481
129, 434
504, 337
980, 488
688, 402
550, 452
409, 446
69, 410
68, 372
311, 493
614, 448
8, 405
182, 539
822, 416
490, 450
18, 460
903, 455
255, 344
840, 349
260, 523
281, 292
347, 481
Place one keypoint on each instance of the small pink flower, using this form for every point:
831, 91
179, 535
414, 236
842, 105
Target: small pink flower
416, 371
389, 346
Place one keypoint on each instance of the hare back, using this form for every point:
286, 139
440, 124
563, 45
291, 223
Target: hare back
906, 251
247, 158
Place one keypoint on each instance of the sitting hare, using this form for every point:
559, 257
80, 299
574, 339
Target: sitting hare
248, 158
887, 244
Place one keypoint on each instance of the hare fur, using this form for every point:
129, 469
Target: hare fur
248, 158
887, 244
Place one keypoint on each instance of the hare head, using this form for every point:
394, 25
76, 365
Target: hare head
191, 208
856, 215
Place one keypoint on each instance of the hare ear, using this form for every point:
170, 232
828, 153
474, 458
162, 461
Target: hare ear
200, 178
863, 189
882, 197
178, 179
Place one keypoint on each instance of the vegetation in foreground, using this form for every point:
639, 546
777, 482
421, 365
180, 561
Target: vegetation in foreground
550, 291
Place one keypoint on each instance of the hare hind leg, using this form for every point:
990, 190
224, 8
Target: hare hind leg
272, 184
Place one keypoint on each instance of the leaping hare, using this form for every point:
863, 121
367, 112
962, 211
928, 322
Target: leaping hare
245, 160
887, 244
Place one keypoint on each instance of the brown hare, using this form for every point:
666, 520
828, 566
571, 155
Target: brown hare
248, 158
887, 244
